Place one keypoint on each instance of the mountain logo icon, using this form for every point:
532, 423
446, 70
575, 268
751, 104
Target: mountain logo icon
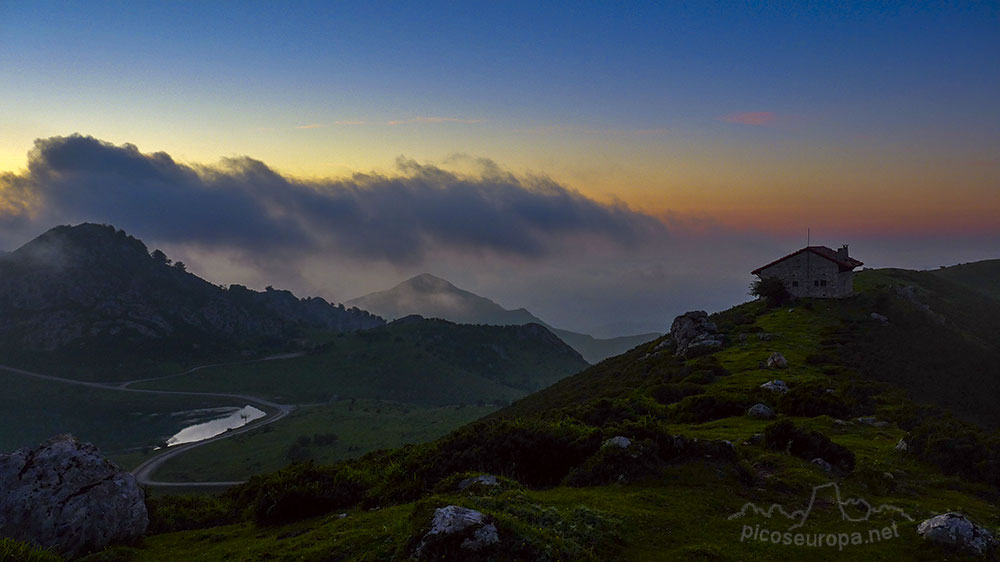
799, 517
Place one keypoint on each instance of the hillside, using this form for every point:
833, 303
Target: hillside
652, 455
433, 297
428, 362
93, 302
981, 276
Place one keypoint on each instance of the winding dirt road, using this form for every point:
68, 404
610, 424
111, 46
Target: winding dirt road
143, 473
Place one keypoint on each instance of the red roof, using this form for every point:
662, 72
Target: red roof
822, 251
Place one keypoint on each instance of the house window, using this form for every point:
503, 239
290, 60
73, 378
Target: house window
822, 283
795, 283
816, 283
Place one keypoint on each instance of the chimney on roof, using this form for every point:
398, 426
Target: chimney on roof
842, 252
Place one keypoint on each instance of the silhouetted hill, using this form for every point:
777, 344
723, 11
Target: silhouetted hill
981, 276
93, 296
433, 297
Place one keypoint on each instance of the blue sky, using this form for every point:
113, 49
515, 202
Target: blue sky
874, 121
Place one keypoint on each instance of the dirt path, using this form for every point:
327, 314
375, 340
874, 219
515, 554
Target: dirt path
144, 471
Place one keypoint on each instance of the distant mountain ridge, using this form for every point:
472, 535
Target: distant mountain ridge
433, 297
93, 292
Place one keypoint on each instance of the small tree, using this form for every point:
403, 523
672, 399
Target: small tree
180, 265
160, 257
771, 289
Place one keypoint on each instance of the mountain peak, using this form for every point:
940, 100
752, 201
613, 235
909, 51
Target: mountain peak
81, 244
427, 283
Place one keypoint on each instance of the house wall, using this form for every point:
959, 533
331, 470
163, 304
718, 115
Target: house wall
809, 275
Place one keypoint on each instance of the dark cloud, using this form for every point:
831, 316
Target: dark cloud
242, 203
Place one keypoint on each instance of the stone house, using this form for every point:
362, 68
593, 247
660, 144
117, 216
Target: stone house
814, 271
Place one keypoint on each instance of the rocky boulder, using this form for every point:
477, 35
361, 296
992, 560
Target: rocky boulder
456, 533
777, 361
880, 318
619, 441
65, 496
694, 334
955, 529
481, 480
776, 386
761, 412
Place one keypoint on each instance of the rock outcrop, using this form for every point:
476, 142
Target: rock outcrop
761, 412
955, 529
65, 496
619, 441
457, 532
481, 480
777, 361
777, 386
694, 334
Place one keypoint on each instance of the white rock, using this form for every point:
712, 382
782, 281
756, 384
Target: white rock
619, 441
761, 411
483, 480
64, 495
776, 385
777, 361
825, 466
957, 530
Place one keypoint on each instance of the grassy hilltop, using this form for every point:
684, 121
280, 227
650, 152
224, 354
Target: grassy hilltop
673, 493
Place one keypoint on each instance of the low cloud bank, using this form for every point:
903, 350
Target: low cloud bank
241, 203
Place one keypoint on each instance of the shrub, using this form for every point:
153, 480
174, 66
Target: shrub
708, 407
615, 464
785, 435
701, 376
299, 491
532, 452
674, 392
811, 400
181, 513
772, 290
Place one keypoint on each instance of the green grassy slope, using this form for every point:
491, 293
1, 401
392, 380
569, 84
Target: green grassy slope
427, 362
667, 497
323, 434
941, 343
982, 276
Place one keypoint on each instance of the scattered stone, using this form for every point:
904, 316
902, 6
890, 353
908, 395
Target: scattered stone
880, 318
902, 446
694, 334
742, 337
766, 336
65, 496
470, 530
776, 385
955, 529
761, 412
754, 440
823, 465
777, 361
482, 480
618, 441
839, 422
872, 421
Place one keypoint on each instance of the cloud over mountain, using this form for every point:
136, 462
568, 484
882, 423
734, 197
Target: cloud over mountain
242, 203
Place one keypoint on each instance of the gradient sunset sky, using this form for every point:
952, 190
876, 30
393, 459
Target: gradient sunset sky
735, 125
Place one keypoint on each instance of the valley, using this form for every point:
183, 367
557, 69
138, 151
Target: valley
654, 453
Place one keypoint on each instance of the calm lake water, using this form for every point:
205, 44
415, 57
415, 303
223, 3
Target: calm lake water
228, 418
